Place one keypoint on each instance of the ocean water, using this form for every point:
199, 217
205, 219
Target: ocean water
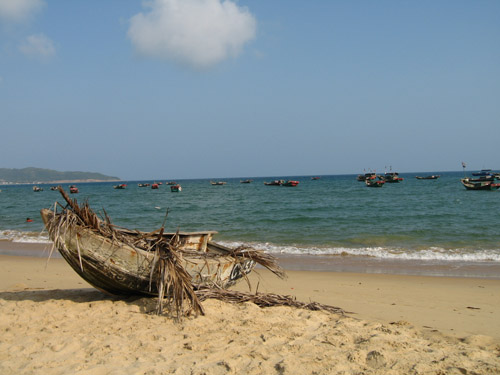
415, 220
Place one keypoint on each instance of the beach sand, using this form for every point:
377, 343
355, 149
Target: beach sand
53, 322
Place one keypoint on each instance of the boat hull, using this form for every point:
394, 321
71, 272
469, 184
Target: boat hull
117, 268
479, 185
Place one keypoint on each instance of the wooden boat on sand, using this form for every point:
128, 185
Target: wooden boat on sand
126, 262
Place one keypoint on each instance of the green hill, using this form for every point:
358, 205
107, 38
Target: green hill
34, 175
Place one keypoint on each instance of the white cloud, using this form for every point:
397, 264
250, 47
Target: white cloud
19, 10
38, 46
199, 33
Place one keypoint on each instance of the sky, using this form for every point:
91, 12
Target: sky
210, 88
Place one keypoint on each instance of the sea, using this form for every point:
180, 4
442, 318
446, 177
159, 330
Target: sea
334, 223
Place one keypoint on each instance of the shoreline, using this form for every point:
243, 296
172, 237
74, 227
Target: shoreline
324, 263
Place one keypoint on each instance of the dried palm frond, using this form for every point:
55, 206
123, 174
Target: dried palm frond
263, 299
266, 260
173, 281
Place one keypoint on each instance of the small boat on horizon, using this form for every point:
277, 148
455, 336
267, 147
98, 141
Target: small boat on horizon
374, 183
431, 177
483, 172
121, 186
36, 189
275, 183
391, 177
144, 185
175, 188
366, 176
290, 183
73, 189
218, 182
155, 186
246, 181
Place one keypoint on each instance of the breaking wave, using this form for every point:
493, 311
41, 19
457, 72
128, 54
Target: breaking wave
428, 254
25, 237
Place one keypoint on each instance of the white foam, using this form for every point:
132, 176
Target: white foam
431, 253
25, 237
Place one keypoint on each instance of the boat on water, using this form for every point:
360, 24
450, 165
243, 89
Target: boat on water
275, 183
176, 188
367, 176
218, 182
125, 262
170, 183
246, 181
431, 177
481, 183
73, 189
315, 178
121, 186
36, 189
144, 185
155, 186
290, 183
374, 183
483, 172
391, 177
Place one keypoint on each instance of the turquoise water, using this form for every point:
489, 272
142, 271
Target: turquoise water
336, 215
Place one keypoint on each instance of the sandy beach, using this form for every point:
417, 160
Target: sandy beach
53, 322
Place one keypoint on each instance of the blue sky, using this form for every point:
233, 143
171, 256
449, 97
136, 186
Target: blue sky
209, 88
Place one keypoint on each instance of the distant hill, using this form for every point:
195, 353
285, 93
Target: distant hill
36, 175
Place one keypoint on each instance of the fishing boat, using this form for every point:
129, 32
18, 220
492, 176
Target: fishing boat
73, 189
218, 182
36, 189
482, 183
246, 181
143, 185
275, 183
124, 262
483, 172
315, 178
170, 183
367, 176
121, 186
155, 186
374, 183
176, 188
391, 177
290, 183
431, 177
